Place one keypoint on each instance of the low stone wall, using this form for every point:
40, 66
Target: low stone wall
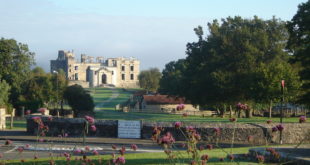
292, 133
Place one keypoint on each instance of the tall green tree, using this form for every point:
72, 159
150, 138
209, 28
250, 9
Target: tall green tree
172, 78
78, 99
149, 79
38, 89
4, 94
234, 62
299, 44
15, 63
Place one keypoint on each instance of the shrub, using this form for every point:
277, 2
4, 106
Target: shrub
78, 99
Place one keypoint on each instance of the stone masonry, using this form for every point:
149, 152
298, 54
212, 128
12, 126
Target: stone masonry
293, 132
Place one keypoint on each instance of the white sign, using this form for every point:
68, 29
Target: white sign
129, 129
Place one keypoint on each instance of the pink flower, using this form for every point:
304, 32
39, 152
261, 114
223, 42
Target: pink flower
134, 147
122, 150
20, 149
41, 140
232, 119
177, 124
274, 129
42, 110
95, 152
66, 154
50, 118
66, 135
35, 157
37, 119
302, 119
210, 146
185, 115
77, 151
280, 127
217, 131
93, 128
68, 158
180, 107
1, 155
193, 162
260, 158
205, 157
28, 112
90, 120
120, 160
201, 148
87, 148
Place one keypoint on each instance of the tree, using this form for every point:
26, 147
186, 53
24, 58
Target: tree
299, 45
38, 90
172, 78
78, 99
59, 82
149, 79
15, 63
234, 63
4, 94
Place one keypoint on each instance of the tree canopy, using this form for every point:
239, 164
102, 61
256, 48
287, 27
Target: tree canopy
239, 60
149, 79
78, 99
15, 63
299, 45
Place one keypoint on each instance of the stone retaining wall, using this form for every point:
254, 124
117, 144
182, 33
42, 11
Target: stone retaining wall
262, 132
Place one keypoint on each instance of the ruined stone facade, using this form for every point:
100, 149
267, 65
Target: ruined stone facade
118, 72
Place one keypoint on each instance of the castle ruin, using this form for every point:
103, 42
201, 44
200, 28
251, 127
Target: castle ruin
118, 72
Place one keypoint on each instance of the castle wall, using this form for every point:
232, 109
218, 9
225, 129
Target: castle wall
120, 72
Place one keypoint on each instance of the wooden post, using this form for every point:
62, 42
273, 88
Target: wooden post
230, 111
270, 109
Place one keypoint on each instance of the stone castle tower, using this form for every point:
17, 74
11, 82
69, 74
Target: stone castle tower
118, 72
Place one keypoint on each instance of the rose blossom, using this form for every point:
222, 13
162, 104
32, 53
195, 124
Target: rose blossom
177, 124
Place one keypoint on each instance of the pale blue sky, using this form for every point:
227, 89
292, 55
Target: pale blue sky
154, 31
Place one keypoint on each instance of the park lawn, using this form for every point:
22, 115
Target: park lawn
150, 158
119, 115
17, 124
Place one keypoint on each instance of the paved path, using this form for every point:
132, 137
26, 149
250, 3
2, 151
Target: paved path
114, 95
58, 148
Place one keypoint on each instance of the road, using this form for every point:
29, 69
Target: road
42, 150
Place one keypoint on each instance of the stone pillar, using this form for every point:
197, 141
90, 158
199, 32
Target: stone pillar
2, 119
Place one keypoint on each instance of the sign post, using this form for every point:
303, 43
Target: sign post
129, 129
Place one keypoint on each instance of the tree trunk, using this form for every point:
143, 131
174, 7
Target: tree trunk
248, 113
12, 120
230, 111
270, 109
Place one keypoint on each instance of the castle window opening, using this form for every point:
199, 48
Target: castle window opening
123, 68
76, 75
123, 76
131, 76
76, 67
131, 68
112, 72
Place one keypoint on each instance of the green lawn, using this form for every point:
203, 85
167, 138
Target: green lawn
17, 124
152, 158
107, 111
